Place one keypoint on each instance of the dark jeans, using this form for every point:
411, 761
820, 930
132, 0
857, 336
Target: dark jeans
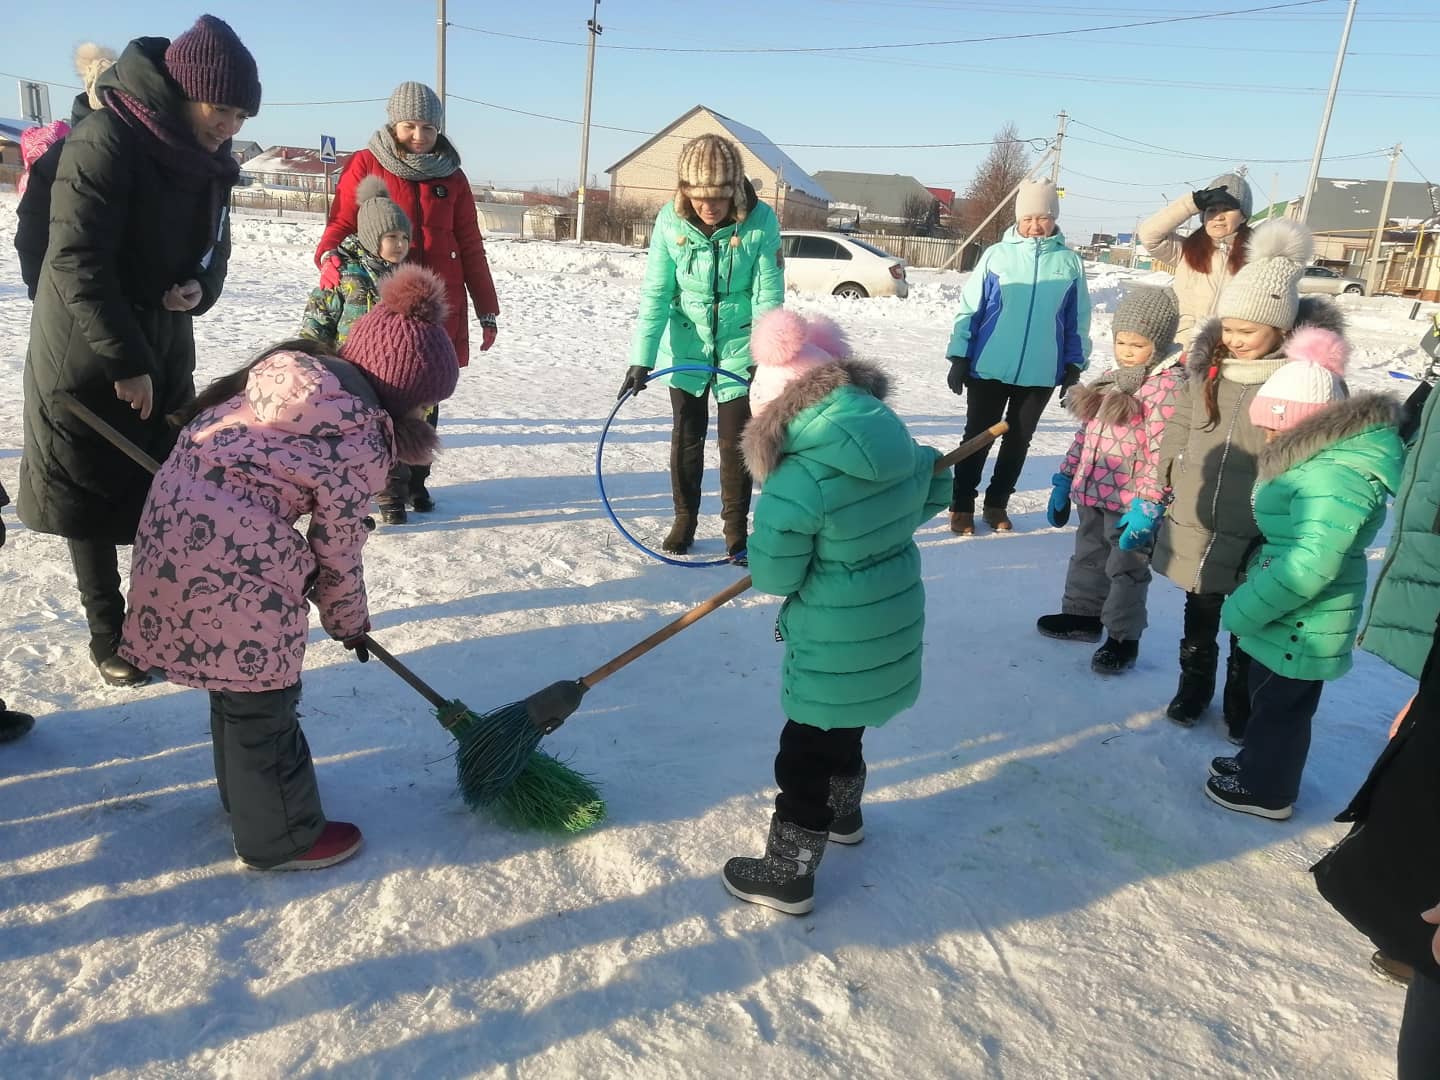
1419, 1047
265, 775
691, 423
988, 402
97, 576
405, 480
808, 757
1277, 740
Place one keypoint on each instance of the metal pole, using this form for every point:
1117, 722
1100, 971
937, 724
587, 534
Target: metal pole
1059, 145
1374, 267
593, 26
1274, 194
1329, 108
440, 51
998, 207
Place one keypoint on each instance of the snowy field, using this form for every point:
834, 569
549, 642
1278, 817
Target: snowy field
1044, 891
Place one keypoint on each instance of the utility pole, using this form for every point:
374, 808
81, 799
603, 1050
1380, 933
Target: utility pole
1064, 118
1274, 194
1329, 108
440, 25
1374, 267
593, 26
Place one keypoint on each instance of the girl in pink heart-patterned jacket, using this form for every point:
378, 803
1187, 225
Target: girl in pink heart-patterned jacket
1112, 474
221, 580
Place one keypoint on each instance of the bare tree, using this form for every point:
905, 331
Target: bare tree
922, 214
1003, 168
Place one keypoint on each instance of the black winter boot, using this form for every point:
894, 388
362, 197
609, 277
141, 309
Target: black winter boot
1114, 657
1236, 698
114, 668
1198, 660
1070, 627
785, 878
687, 474
847, 826
13, 724
681, 535
735, 490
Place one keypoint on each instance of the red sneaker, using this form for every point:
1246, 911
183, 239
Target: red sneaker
338, 841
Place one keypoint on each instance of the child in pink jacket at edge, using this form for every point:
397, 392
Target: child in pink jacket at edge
220, 577
1112, 474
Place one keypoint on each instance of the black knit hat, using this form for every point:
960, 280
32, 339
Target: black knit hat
211, 65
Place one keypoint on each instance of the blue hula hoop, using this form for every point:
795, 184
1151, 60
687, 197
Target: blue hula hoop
600, 473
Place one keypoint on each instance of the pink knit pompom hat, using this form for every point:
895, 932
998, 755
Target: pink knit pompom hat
784, 346
1313, 380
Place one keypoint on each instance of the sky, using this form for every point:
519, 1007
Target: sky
1155, 110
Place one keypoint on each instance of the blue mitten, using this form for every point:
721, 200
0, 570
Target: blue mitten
1058, 512
1138, 524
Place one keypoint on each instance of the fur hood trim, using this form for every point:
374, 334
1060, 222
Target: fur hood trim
1326, 428
1314, 311
1104, 399
763, 443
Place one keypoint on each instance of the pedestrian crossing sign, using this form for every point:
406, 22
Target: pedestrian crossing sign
327, 149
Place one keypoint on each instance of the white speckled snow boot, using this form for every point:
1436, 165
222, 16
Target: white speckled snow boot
785, 878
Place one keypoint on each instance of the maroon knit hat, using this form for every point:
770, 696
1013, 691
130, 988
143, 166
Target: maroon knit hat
401, 344
210, 64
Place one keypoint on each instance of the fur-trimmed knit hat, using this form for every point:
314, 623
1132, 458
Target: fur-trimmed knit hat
91, 61
1312, 380
401, 343
415, 101
710, 167
378, 214
784, 346
1037, 198
1151, 312
211, 65
1267, 288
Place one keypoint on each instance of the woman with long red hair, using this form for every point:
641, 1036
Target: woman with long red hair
1211, 255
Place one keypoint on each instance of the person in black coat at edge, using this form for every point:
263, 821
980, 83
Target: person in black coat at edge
32, 227
138, 246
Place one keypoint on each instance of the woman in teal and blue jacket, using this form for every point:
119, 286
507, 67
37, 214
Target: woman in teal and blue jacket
714, 266
1023, 329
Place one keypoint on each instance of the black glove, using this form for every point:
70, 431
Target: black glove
958, 373
1217, 197
634, 382
1069, 379
357, 645
2, 532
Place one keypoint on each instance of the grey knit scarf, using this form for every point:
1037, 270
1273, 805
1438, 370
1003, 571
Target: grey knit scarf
436, 165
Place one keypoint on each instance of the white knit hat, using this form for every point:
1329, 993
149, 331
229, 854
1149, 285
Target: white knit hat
1036, 198
1309, 383
1267, 288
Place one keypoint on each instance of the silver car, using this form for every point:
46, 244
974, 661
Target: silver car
1320, 279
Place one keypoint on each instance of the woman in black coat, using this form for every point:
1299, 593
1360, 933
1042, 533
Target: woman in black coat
138, 246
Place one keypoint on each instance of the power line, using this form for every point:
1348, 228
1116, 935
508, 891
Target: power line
1152, 148
1029, 36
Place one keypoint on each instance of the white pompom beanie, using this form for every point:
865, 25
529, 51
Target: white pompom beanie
786, 345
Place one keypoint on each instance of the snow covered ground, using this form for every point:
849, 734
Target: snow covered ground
1043, 892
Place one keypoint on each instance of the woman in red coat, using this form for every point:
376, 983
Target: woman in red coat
422, 170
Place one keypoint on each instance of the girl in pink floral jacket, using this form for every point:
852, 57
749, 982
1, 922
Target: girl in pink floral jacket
221, 580
1112, 474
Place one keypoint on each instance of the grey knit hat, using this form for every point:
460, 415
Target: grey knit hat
1151, 312
1267, 288
1238, 189
415, 101
378, 214
1036, 198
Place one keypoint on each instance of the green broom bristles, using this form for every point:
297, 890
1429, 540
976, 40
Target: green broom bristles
497, 763
550, 795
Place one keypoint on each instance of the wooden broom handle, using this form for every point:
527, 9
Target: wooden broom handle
428, 692
103, 428
695, 614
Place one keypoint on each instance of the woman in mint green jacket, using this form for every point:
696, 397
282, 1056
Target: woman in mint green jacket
1325, 473
844, 489
714, 266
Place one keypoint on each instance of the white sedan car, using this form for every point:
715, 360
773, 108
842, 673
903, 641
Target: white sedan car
832, 263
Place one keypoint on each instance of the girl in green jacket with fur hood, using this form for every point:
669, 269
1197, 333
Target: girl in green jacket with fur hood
1327, 468
714, 266
844, 489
